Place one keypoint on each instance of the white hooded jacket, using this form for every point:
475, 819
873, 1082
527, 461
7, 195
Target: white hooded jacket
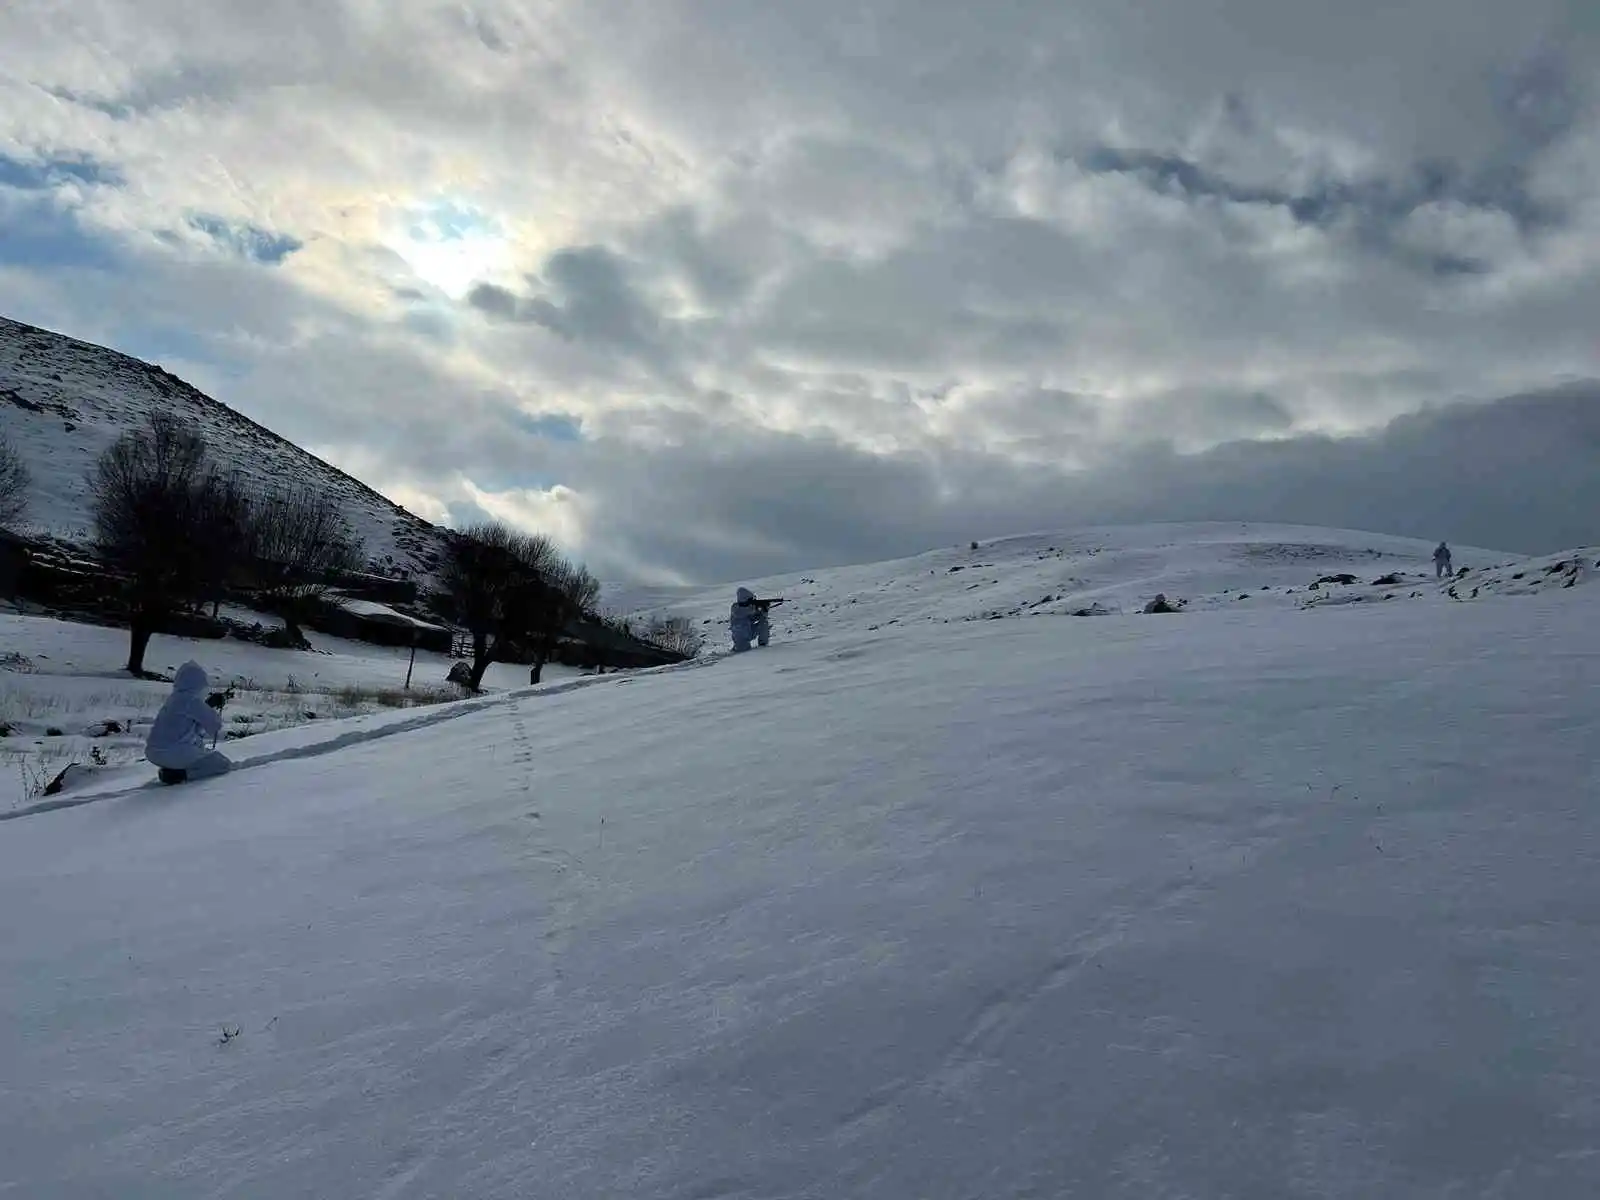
185, 726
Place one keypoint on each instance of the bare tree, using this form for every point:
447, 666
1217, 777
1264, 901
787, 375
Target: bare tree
299, 545
166, 521
13, 484
676, 634
494, 577
570, 593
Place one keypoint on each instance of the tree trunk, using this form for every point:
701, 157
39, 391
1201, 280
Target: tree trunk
543, 650
536, 672
139, 642
482, 656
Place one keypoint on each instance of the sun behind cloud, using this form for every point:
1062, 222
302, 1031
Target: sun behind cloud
451, 246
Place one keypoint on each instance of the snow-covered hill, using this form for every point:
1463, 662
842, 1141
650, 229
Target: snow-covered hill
64, 401
1117, 570
1252, 901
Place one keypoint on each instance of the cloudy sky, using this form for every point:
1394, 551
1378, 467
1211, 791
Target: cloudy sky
711, 288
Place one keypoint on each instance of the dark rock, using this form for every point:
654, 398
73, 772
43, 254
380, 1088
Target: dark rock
70, 774
1386, 581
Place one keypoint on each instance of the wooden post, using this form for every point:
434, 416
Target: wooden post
411, 666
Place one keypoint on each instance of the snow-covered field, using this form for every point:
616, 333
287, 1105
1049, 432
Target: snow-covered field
64, 700
1252, 901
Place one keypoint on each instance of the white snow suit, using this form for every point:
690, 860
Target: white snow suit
747, 621
180, 739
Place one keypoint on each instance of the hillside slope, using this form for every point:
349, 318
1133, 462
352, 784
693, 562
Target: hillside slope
1261, 902
63, 402
1117, 570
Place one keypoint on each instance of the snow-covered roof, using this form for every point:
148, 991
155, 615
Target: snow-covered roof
373, 611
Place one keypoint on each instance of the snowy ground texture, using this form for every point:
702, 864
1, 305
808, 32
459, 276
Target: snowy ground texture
1252, 901
1117, 570
63, 699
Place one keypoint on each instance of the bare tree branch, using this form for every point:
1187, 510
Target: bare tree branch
299, 545
14, 481
569, 592
493, 577
166, 521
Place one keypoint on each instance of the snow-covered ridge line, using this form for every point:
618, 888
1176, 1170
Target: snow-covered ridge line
1209, 566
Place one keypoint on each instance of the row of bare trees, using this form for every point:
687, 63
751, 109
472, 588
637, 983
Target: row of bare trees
179, 531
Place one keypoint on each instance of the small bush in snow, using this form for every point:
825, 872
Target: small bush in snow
676, 634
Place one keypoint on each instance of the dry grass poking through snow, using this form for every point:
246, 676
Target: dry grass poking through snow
48, 722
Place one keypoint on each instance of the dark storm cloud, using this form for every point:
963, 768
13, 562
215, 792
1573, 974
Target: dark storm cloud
1373, 211
1516, 474
584, 296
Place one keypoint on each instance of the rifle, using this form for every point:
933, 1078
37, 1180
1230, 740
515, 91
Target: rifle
216, 700
763, 605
